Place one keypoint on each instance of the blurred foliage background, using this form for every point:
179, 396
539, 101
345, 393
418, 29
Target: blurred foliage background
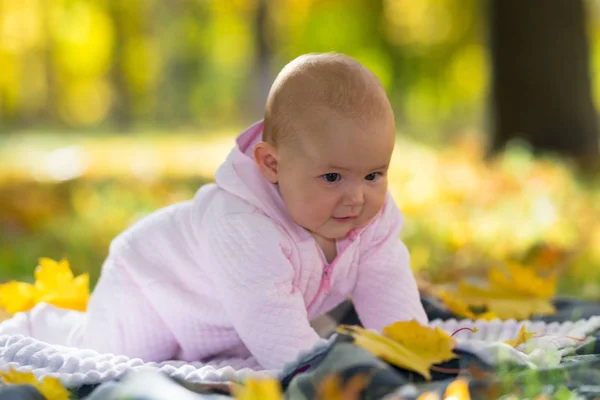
111, 109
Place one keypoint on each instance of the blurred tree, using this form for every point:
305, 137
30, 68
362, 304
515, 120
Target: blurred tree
262, 59
541, 89
121, 19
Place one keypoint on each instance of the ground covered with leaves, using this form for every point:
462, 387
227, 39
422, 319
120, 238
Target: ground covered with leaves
67, 197
491, 239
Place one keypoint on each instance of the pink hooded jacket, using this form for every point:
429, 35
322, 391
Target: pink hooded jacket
228, 273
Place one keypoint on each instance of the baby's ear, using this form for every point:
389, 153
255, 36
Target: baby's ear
265, 157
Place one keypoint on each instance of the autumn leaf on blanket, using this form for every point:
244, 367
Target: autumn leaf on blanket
517, 294
54, 284
458, 389
408, 345
50, 387
258, 389
332, 388
521, 337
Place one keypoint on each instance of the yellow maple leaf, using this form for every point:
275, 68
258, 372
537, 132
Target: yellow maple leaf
408, 345
54, 284
258, 389
521, 337
17, 296
458, 389
50, 387
331, 387
523, 280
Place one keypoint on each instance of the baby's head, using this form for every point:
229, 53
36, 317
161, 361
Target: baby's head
328, 138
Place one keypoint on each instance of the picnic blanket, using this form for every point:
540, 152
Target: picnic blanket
75, 366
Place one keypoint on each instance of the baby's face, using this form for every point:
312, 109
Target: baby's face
333, 178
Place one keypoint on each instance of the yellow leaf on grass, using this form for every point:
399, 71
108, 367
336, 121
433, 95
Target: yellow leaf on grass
408, 345
54, 284
462, 309
17, 296
457, 307
258, 389
517, 294
504, 304
521, 337
50, 387
523, 280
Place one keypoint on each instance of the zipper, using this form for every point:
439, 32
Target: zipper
325, 284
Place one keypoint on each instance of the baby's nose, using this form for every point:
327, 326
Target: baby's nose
355, 196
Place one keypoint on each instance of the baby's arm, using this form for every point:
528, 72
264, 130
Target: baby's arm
386, 289
254, 279
121, 320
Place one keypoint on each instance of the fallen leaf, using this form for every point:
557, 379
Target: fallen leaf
54, 284
456, 306
50, 387
462, 309
523, 280
408, 345
458, 389
517, 294
331, 387
258, 389
488, 316
17, 296
429, 396
521, 337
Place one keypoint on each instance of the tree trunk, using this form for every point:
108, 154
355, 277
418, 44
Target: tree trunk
541, 89
262, 60
122, 104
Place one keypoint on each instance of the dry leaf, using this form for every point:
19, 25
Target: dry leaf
429, 396
408, 345
462, 309
17, 296
518, 294
54, 284
50, 387
331, 387
521, 337
258, 389
523, 280
458, 389
456, 306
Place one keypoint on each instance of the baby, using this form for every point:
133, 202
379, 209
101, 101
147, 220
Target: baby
298, 220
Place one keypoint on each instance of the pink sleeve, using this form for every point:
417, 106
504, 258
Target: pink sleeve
254, 279
120, 319
386, 289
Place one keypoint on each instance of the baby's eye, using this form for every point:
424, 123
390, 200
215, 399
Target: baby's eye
331, 177
373, 176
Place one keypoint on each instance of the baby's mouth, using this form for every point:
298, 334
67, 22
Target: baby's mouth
343, 219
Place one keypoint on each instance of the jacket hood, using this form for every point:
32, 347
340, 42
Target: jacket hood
240, 176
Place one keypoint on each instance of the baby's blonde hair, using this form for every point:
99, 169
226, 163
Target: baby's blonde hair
334, 80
